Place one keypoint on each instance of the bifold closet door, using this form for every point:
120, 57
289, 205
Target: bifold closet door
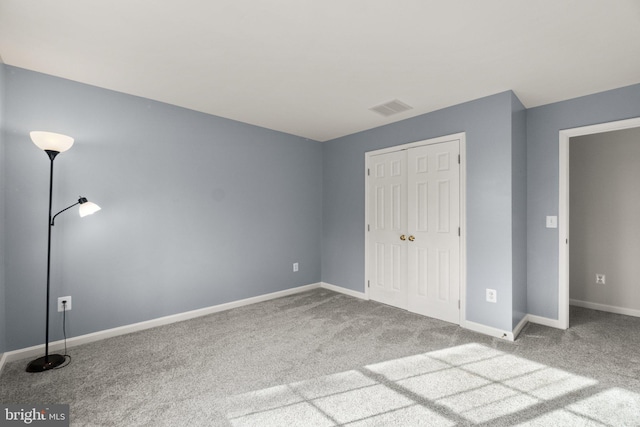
387, 220
414, 220
433, 223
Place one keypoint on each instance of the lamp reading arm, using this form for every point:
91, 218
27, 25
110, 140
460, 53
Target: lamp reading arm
80, 201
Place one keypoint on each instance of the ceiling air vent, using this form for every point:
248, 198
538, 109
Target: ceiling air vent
390, 108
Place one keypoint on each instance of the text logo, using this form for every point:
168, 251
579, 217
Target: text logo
34, 415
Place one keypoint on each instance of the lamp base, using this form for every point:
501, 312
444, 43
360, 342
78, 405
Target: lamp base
45, 363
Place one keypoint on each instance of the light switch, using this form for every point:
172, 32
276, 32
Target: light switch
552, 222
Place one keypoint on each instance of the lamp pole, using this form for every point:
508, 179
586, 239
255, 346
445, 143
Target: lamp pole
52, 155
53, 144
49, 361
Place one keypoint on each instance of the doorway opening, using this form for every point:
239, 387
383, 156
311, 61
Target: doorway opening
564, 240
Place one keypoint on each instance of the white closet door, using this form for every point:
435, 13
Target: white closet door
433, 231
387, 223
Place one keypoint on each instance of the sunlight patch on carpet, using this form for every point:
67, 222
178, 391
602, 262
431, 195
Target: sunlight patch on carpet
468, 383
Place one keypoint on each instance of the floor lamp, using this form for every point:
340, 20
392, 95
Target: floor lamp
54, 144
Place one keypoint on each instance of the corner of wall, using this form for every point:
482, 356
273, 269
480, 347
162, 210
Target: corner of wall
518, 210
3, 320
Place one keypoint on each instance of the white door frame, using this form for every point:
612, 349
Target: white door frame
563, 207
463, 210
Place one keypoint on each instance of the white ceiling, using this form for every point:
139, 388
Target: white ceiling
313, 68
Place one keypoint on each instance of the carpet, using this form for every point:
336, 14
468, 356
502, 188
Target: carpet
321, 358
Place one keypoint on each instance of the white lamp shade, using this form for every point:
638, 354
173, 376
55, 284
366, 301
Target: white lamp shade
51, 141
88, 208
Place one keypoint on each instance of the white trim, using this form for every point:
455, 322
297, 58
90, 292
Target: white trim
530, 318
520, 326
367, 168
544, 321
37, 350
463, 227
127, 329
511, 336
605, 307
563, 233
3, 360
436, 140
488, 330
563, 206
462, 138
340, 289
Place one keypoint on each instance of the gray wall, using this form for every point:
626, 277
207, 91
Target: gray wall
197, 210
488, 126
519, 206
200, 210
543, 126
605, 208
3, 317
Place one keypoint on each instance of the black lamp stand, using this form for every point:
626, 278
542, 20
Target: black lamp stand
48, 361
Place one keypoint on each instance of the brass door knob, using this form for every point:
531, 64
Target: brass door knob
411, 238
403, 237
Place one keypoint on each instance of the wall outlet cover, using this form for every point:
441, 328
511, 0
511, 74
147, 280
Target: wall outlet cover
601, 279
61, 307
492, 295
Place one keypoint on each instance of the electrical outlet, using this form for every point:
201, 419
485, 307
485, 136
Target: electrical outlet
601, 279
295, 266
492, 295
61, 307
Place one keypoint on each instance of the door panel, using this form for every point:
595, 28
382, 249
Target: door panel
433, 219
388, 221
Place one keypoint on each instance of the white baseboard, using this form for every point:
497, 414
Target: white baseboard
511, 336
488, 330
544, 321
3, 360
476, 327
530, 318
38, 350
605, 307
520, 326
35, 351
350, 292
